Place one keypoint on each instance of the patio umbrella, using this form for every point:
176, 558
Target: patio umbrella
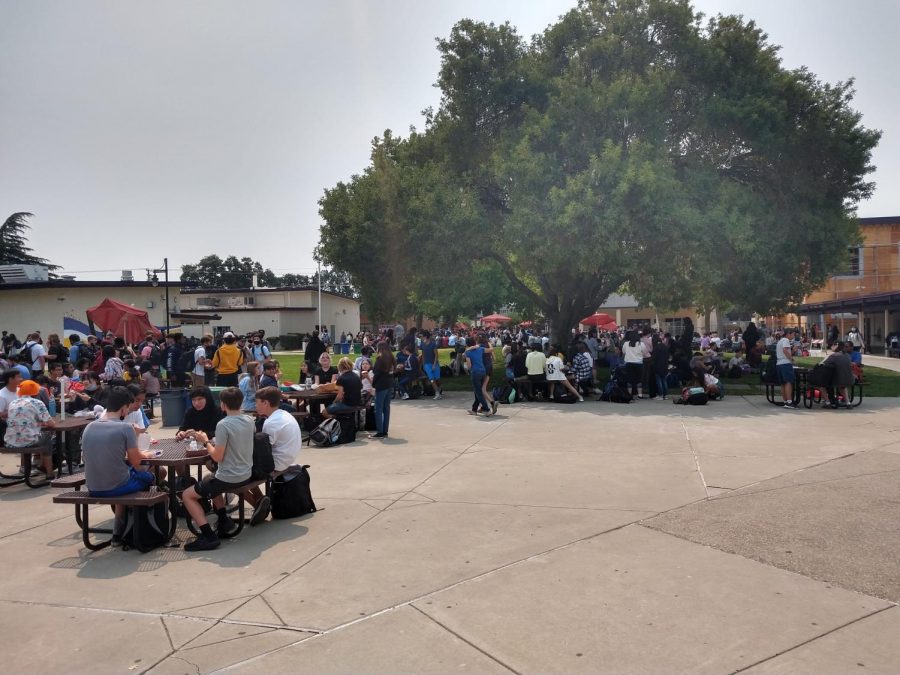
597, 319
610, 327
495, 319
123, 320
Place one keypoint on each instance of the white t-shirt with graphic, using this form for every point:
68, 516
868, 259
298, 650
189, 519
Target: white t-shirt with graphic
554, 368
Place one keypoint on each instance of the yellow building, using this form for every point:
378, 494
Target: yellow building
867, 293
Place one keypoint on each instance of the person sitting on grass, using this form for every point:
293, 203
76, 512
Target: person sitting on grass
233, 451
105, 443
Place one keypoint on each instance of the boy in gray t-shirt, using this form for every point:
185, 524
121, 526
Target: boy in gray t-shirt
233, 450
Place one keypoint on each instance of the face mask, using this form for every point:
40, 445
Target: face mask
91, 387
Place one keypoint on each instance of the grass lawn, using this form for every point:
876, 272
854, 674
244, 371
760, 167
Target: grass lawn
879, 382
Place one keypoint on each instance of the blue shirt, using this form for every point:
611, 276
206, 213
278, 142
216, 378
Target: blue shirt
429, 352
476, 357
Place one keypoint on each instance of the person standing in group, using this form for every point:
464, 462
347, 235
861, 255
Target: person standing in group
488, 358
856, 338
227, 362
431, 364
475, 363
660, 360
35, 355
785, 367
314, 349
383, 383
633, 351
198, 374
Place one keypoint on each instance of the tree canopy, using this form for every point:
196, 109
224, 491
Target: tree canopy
14, 249
232, 272
631, 145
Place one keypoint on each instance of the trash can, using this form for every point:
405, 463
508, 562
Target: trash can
173, 406
345, 348
357, 347
215, 394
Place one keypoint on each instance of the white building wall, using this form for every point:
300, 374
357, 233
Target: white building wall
28, 309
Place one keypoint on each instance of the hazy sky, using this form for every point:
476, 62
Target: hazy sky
179, 128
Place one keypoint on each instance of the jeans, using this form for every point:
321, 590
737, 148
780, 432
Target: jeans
662, 387
382, 410
477, 382
137, 482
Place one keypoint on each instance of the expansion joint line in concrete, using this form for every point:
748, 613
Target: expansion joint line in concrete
467, 641
409, 603
813, 639
695, 456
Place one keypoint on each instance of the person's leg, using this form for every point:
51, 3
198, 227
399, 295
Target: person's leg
380, 395
477, 382
572, 390
191, 501
191, 497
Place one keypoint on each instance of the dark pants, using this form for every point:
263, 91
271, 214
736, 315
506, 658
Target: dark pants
383, 410
230, 380
477, 383
538, 383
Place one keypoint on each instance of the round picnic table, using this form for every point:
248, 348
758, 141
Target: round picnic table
174, 453
313, 398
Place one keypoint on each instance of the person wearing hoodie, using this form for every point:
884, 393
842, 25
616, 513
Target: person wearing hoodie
203, 415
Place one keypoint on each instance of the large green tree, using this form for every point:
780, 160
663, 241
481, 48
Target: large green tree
14, 247
630, 145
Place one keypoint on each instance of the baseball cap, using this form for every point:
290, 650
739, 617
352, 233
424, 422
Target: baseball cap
29, 388
229, 334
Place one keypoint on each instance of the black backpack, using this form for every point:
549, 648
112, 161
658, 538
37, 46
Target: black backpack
263, 462
187, 363
290, 493
327, 433
147, 527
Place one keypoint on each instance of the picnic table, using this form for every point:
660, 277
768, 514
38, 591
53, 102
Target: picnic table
174, 453
313, 398
801, 384
43, 448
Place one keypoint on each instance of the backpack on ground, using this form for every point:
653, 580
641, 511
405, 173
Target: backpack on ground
263, 462
146, 527
290, 493
348, 428
615, 393
328, 433
369, 423
693, 396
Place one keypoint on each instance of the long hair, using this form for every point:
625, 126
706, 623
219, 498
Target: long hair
385, 360
632, 338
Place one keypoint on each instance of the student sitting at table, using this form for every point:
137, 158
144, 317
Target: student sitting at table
150, 382
248, 384
203, 415
325, 373
105, 443
349, 393
233, 452
268, 378
26, 418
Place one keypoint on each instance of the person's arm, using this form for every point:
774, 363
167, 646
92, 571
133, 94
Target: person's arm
216, 452
340, 394
788, 353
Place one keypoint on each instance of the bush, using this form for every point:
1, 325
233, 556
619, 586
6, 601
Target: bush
289, 342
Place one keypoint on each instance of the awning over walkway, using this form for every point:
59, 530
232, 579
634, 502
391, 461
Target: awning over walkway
862, 303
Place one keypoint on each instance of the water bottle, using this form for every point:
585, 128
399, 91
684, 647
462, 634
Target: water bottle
52, 407
193, 446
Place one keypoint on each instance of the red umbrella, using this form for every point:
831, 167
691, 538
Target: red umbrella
597, 319
495, 318
460, 326
610, 327
123, 320
527, 324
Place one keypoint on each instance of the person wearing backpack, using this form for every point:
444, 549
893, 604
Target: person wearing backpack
35, 355
233, 451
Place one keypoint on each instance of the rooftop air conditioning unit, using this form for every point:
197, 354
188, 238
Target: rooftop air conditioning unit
127, 275
23, 274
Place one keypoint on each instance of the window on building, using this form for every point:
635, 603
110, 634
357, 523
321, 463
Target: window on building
674, 327
854, 261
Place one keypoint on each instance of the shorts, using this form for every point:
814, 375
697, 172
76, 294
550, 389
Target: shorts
785, 373
137, 481
211, 486
432, 371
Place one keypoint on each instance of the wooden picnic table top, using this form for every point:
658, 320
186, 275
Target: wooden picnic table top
71, 423
174, 452
310, 395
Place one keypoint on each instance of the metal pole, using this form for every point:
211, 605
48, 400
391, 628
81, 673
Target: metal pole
319, 277
166, 270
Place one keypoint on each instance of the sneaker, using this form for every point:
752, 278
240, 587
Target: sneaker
261, 512
116, 541
405, 397
790, 406
378, 435
203, 543
581, 399
494, 407
438, 396
225, 526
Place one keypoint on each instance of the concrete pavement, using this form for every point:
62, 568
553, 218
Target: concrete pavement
592, 537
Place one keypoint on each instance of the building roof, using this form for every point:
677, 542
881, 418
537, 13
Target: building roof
72, 283
872, 302
886, 220
276, 289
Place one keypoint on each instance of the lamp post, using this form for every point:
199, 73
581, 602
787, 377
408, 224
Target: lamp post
155, 281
